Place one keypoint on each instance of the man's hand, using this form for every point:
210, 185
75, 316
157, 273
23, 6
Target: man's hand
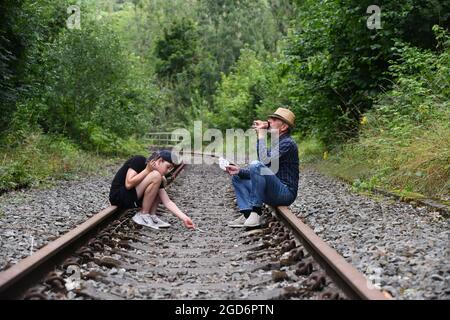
151, 166
233, 169
188, 223
260, 127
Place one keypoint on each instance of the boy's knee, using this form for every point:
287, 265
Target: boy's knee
155, 176
235, 179
155, 180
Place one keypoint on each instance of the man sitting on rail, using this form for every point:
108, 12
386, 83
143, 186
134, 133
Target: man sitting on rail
139, 183
258, 184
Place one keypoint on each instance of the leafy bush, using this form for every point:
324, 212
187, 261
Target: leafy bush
247, 93
87, 88
336, 66
402, 144
310, 149
36, 157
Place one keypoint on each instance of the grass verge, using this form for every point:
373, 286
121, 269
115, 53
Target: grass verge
40, 159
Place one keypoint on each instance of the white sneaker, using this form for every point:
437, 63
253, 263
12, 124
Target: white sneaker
238, 223
144, 220
137, 218
254, 220
159, 222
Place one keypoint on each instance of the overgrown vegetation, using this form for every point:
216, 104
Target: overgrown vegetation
39, 157
404, 140
373, 103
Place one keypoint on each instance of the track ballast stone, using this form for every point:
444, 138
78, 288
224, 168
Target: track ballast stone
30, 219
127, 261
402, 249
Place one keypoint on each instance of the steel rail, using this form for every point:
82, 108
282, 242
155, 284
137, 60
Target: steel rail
16, 279
346, 276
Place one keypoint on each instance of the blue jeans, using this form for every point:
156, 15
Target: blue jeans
261, 189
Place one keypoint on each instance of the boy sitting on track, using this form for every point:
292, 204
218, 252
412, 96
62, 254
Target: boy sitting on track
139, 183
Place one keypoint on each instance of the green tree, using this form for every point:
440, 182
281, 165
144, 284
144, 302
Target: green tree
177, 50
25, 28
336, 66
238, 95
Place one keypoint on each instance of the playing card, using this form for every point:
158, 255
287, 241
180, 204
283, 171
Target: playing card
223, 163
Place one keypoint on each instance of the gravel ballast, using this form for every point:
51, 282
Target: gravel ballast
128, 261
401, 248
29, 219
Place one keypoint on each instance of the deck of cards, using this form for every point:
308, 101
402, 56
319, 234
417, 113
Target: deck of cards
223, 163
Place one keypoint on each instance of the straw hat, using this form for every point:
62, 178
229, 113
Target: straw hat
284, 115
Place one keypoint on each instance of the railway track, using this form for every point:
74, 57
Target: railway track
110, 257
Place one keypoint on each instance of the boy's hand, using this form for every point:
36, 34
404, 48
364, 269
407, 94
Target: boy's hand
188, 223
151, 166
233, 169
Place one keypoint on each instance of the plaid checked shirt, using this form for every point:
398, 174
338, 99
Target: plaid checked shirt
287, 153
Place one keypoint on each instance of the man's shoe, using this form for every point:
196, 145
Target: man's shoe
254, 220
160, 223
238, 223
142, 219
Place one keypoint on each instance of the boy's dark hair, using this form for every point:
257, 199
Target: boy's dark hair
165, 155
